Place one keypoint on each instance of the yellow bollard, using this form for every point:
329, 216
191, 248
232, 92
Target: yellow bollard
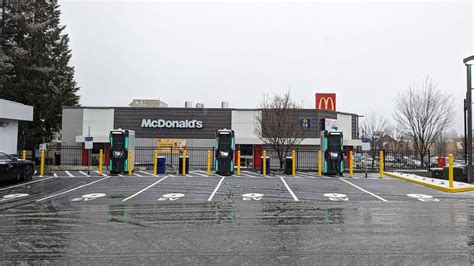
23, 155
42, 163
130, 162
320, 163
451, 171
381, 164
184, 162
293, 163
264, 163
101, 154
155, 163
238, 163
208, 162
351, 164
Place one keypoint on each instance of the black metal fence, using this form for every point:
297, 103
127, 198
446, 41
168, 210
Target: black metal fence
306, 158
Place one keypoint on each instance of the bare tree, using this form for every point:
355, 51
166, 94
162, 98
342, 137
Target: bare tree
424, 113
375, 127
440, 145
278, 125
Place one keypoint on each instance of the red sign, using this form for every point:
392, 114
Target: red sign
326, 101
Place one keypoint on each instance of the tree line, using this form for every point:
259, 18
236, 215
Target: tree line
34, 66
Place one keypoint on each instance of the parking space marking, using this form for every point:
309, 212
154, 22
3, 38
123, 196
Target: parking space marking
137, 175
146, 173
370, 193
83, 173
289, 189
215, 190
102, 173
73, 189
27, 183
69, 174
55, 175
120, 175
139, 192
199, 174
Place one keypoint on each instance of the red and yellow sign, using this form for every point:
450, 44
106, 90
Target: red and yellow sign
326, 101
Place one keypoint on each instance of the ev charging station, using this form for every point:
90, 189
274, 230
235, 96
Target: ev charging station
122, 141
332, 149
225, 147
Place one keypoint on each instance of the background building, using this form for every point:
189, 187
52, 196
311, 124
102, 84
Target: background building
192, 127
10, 114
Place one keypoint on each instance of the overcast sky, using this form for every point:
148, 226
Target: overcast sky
365, 52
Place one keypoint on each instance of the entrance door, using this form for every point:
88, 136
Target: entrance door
246, 155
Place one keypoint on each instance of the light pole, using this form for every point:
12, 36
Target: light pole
469, 62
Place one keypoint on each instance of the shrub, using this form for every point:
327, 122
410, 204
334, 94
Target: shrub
460, 173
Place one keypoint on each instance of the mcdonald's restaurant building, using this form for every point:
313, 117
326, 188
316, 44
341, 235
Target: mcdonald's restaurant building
195, 127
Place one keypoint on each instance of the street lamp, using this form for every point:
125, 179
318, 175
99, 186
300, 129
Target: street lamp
469, 62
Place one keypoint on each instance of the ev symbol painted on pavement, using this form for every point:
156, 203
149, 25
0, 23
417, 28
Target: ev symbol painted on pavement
88, 197
252, 196
423, 197
13, 196
336, 196
171, 196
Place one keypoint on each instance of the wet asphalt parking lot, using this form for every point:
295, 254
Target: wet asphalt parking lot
72, 217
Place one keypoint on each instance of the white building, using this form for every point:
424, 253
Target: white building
10, 114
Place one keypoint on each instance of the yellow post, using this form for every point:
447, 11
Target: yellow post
130, 162
23, 155
208, 162
238, 163
155, 163
320, 163
101, 154
451, 172
184, 162
264, 163
351, 164
381, 164
293, 163
42, 163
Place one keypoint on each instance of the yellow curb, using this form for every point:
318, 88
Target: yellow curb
441, 188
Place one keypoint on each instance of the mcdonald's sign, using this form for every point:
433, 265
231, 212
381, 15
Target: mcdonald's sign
326, 101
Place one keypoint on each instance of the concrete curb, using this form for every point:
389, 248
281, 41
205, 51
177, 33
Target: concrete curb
433, 186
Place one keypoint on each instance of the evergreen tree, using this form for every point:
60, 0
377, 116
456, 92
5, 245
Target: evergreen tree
35, 42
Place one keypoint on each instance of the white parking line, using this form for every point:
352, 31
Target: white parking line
70, 190
19, 185
370, 193
137, 175
146, 173
69, 174
132, 196
199, 174
83, 173
215, 190
289, 189
102, 173
55, 175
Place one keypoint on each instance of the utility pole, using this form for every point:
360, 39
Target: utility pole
469, 62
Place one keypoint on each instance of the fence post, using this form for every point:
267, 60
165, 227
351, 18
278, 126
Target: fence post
184, 163
155, 163
23, 155
381, 164
101, 152
429, 160
264, 163
451, 172
42, 163
208, 162
351, 164
320, 163
293, 163
238, 163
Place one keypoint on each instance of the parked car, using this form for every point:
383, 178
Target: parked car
12, 168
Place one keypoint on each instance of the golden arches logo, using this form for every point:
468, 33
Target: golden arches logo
327, 101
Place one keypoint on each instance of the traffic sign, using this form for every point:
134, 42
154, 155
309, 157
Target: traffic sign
88, 143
